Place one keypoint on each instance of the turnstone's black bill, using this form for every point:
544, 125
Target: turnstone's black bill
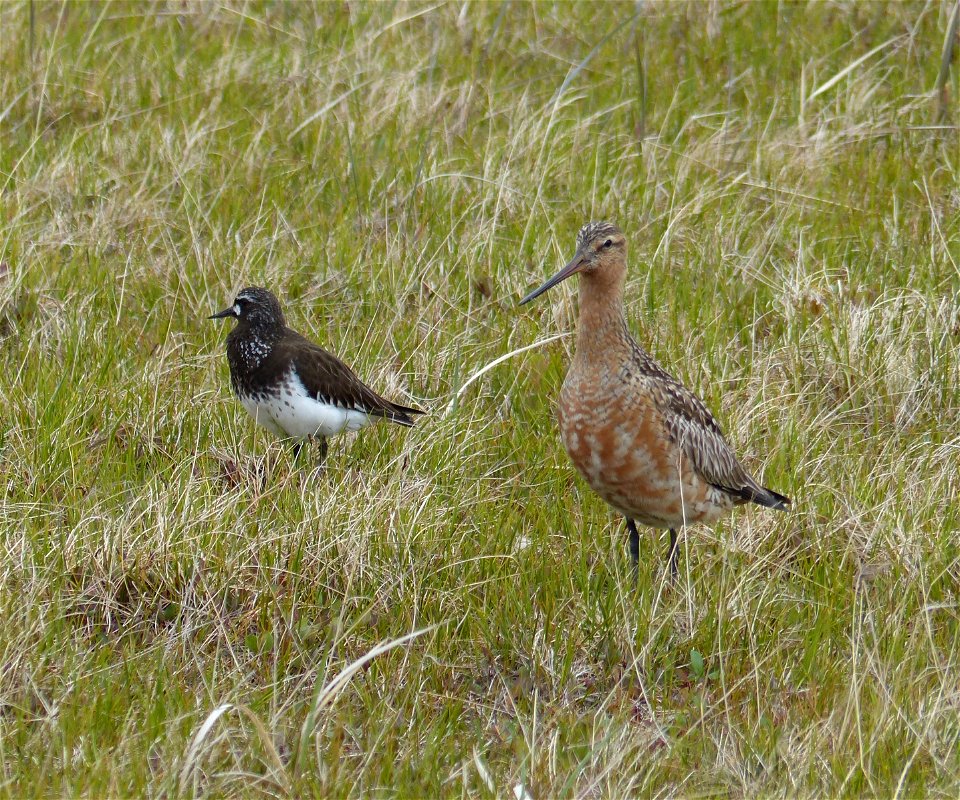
291, 386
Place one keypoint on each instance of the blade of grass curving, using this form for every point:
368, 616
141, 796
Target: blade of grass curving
452, 405
827, 85
327, 694
191, 760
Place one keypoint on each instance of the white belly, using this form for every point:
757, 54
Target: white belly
293, 413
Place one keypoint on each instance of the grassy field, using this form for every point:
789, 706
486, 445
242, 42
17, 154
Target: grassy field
447, 611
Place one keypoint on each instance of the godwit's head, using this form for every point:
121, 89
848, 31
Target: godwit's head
601, 258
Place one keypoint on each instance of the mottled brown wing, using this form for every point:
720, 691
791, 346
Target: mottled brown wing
328, 379
706, 448
692, 426
711, 456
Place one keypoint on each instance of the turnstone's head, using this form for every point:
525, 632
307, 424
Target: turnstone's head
255, 306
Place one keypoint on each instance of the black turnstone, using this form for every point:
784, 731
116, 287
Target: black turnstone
291, 386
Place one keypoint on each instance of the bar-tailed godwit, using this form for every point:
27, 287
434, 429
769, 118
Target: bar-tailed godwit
642, 441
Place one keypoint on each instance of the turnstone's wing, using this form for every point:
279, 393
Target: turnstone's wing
328, 379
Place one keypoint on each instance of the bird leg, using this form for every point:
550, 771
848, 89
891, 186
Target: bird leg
673, 555
634, 546
298, 448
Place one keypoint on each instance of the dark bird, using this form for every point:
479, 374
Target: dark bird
643, 442
291, 386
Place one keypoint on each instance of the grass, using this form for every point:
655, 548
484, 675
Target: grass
447, 610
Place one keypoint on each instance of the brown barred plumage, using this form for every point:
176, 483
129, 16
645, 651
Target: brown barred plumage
643, 441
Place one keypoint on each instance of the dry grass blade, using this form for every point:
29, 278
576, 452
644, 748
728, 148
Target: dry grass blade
946, 59
191, 761
484, 772
325, 108
327, 694
520, 792
331, 691
827, 85
452, 405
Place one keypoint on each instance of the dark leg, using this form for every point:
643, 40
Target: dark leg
323, 450
297, 446
674, 555
634, 546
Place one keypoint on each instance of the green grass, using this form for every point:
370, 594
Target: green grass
400, 175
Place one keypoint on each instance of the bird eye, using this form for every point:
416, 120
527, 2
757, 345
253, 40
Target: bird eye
608, 243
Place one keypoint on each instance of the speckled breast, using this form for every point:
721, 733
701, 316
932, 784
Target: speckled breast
618, 441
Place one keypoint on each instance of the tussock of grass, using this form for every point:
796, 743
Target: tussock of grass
179, 595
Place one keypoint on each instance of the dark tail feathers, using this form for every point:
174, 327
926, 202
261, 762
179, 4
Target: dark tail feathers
402, 415
767, 497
